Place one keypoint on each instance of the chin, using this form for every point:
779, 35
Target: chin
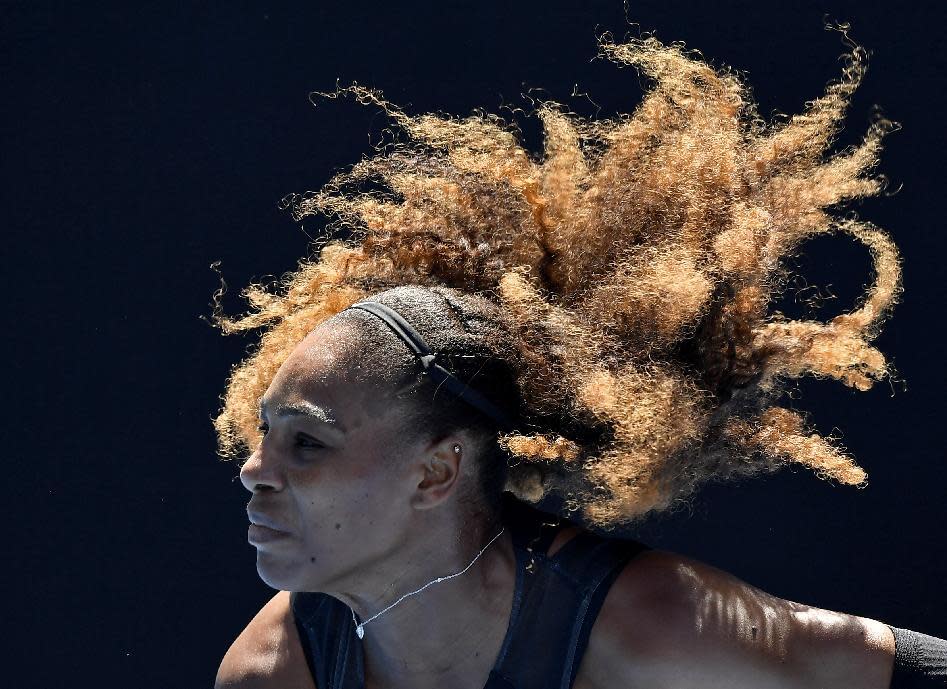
277, 572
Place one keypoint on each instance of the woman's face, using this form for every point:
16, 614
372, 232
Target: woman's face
333, 471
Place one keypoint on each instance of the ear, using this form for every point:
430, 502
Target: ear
440, 468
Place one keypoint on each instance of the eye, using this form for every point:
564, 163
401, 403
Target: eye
305, 441
302, 440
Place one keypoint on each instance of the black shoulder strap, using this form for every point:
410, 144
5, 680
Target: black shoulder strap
328, 639
562, 598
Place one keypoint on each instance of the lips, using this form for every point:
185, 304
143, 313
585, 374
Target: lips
261, 519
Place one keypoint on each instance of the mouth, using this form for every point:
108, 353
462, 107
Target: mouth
257, 533
261, 520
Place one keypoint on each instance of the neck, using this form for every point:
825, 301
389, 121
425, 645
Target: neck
450, 633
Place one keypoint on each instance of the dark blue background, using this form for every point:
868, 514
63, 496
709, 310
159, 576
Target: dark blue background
145, 141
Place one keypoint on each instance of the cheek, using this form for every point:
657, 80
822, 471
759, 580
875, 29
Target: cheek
345, 535
333, 506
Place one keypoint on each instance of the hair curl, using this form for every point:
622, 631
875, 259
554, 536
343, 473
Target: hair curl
629, 271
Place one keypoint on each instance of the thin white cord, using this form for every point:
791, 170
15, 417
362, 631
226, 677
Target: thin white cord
360, 628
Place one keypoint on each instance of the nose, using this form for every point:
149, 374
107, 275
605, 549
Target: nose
257, 475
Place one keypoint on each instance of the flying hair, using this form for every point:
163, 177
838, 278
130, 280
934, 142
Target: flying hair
628, 275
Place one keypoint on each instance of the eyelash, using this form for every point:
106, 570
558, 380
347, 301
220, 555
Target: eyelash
263, 428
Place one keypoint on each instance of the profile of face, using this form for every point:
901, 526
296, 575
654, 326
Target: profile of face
336, 472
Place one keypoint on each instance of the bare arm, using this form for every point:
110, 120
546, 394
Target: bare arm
267, 654
683, 623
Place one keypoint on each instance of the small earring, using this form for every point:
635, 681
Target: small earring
457, 449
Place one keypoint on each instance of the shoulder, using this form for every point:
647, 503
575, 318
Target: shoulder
267, 653
672, 620
645, 608
661, 622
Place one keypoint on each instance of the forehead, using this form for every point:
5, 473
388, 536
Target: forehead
328, 369
326, 354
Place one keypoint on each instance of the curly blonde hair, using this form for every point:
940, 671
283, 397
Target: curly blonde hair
621, 283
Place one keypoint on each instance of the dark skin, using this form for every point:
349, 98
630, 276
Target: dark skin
371, 517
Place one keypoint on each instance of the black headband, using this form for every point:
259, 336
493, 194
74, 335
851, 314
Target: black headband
428, 360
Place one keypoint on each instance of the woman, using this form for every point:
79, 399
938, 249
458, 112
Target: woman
592, 327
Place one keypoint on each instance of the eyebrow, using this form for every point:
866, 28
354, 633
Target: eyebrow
306, 409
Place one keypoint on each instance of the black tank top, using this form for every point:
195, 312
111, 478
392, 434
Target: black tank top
555, 602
